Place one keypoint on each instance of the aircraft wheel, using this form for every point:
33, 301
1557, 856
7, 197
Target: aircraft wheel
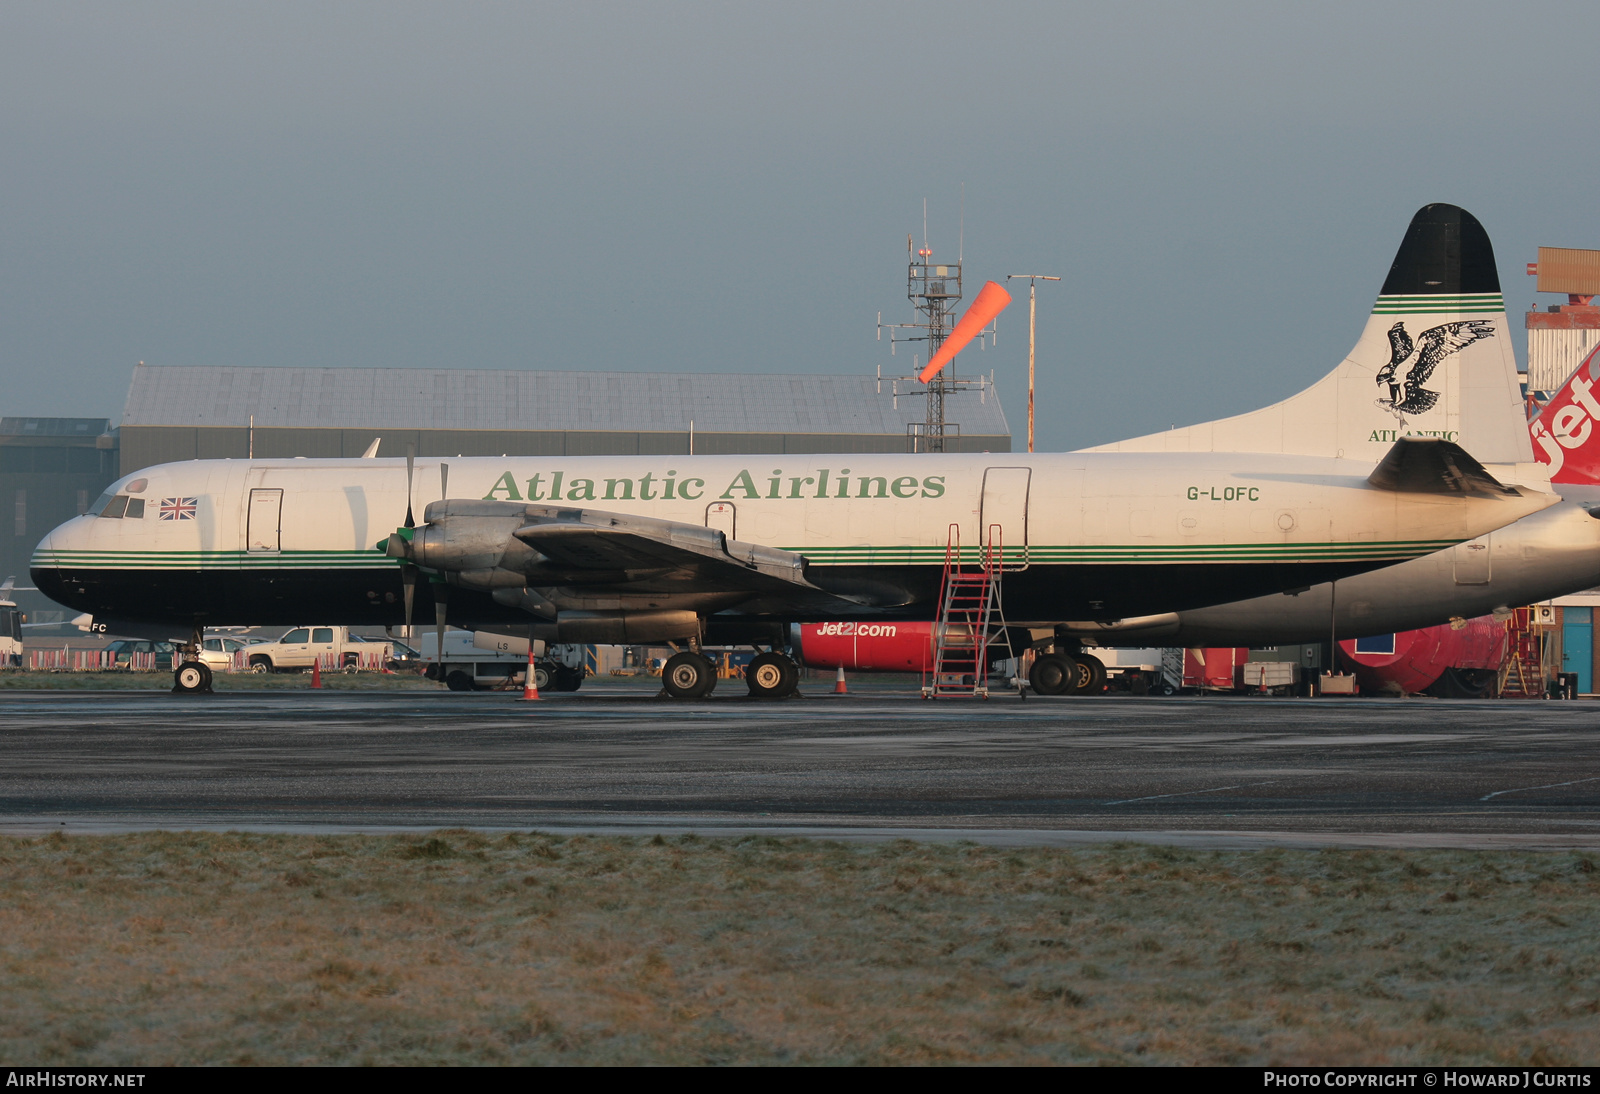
1053, 674
191, 677
457, 680
1463, 684
687, 675
1091, 675
569, 678
772, 676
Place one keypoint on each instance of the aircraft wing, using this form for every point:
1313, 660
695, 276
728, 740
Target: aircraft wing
567, 551
588, 542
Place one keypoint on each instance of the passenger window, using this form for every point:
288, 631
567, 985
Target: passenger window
214, 645
115, 507
135, 509
295, 636
322, 634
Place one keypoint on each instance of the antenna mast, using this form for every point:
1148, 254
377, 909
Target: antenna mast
934, 291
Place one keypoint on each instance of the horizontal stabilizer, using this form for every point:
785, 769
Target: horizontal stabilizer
1430, 465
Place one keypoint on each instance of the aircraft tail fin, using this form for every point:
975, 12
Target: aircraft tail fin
1433, 361
1566, 433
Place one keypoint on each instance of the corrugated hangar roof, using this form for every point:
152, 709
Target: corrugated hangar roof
356, 398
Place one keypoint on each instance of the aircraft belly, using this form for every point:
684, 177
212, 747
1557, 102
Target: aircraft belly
372, 596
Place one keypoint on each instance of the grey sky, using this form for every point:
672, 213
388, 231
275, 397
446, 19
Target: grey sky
728, 187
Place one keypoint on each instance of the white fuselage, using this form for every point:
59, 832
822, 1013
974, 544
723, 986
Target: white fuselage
1147, 529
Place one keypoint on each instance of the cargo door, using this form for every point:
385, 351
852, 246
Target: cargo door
265, 521
1003, 514
1472, 562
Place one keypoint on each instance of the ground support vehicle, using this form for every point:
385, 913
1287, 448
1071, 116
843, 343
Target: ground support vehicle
1142, 671
481, 661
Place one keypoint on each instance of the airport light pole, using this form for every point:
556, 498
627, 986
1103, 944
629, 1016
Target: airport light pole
1033, 316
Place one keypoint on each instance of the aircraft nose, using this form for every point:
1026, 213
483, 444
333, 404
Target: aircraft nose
45, 565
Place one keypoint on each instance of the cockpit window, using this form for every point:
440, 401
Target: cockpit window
98, 508
135, 509
115, 507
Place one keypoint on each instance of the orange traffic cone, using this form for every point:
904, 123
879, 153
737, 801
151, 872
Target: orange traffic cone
316, 673
838, 683
530, 687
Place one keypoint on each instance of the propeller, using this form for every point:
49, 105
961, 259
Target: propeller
441, 601
991, 301
411, 472
441, 591
408, 573
401, 545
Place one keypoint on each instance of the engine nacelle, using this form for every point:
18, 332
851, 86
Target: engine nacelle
627, 628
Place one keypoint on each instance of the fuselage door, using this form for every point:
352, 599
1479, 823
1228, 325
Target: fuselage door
266, 518
1003, 514
720, 515
1472, 562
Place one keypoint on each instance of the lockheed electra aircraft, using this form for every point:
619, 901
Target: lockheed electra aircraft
680, 548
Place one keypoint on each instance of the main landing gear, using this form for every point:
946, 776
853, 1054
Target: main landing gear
691, 675
688, 675
1058, 674
192, 676
772, 675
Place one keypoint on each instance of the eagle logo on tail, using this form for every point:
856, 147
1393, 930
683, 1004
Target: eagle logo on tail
1410, 364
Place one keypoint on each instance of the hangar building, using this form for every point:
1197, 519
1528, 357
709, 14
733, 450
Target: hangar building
51, 469
187, 413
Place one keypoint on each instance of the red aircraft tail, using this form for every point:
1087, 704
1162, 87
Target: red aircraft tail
1566, 434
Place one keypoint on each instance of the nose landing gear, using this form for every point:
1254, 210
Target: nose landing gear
192, 676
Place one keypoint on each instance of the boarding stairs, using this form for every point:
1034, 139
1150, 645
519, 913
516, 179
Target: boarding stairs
970, 617
1525, 673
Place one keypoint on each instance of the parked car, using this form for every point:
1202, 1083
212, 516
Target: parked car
218, 652
126, 647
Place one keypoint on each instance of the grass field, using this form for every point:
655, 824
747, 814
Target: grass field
460, 947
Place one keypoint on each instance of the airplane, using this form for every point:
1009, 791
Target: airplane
668, 549
1547, 554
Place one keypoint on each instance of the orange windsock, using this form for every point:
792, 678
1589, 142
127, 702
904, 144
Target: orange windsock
992, 300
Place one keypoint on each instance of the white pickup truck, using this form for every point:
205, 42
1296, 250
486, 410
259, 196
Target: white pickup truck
336, 647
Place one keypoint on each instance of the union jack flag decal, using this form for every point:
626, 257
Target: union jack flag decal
178, 508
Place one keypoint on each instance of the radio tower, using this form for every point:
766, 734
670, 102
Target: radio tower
934, 290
